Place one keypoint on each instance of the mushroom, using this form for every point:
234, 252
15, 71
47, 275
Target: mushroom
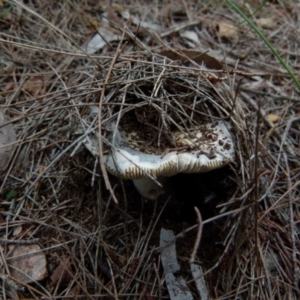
200, 149
161, 122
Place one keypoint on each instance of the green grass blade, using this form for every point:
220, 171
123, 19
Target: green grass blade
260, 34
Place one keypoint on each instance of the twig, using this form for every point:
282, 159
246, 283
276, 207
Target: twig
19, 242
158, 281
256, 181
198, 237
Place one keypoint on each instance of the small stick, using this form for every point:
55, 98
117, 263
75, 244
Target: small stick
198, 237
158, 280
19, 242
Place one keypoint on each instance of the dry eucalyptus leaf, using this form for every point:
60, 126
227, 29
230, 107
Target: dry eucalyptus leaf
100, 40
34, 85
177, 287
93, 22
112, 16
137, 21
199, 281
63, 272
190, 36
7, 136
27, 263
271, 262
267, 23
273, 118
198, 57
227, 30
75, 291
17, 230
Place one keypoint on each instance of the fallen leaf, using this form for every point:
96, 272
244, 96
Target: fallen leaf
137, 21
267, 23
93, 22
177, 287
227, 30
41, 169
34, 85
75, 291
191, 36
9, 87
17, 230
63, 272
112, 16
7, 136
199, 281
100, 40
199, 57
273, 118
27, 263
117, 259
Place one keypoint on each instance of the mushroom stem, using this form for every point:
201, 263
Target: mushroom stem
150, 189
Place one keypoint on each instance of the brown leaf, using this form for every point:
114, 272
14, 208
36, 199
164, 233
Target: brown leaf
75, 291
63, 272
117, 259
112, 16
9, 87
266, 23
198, 57
227, 30
273, 118
34, 85
95, 24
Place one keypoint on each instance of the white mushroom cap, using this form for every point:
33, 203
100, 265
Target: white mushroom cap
203, 149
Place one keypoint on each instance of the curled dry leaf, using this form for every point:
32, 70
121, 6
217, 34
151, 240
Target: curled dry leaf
135, 20
177, 287
95, 23
267, 23
100, 40
191, 36
273, 118
112, 16
35, 85
198, 276
7, 137
227, 30
62, 273
199, 57
75, 291
27, 263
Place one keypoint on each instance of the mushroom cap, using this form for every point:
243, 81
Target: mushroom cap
201, 149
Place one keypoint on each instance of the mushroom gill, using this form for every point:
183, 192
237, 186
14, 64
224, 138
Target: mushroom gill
202, 149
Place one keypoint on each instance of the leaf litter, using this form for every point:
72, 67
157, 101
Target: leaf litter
249, 241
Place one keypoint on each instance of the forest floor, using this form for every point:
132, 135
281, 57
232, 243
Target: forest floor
70, 230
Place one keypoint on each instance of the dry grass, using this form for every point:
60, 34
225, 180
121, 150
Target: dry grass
250, 241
